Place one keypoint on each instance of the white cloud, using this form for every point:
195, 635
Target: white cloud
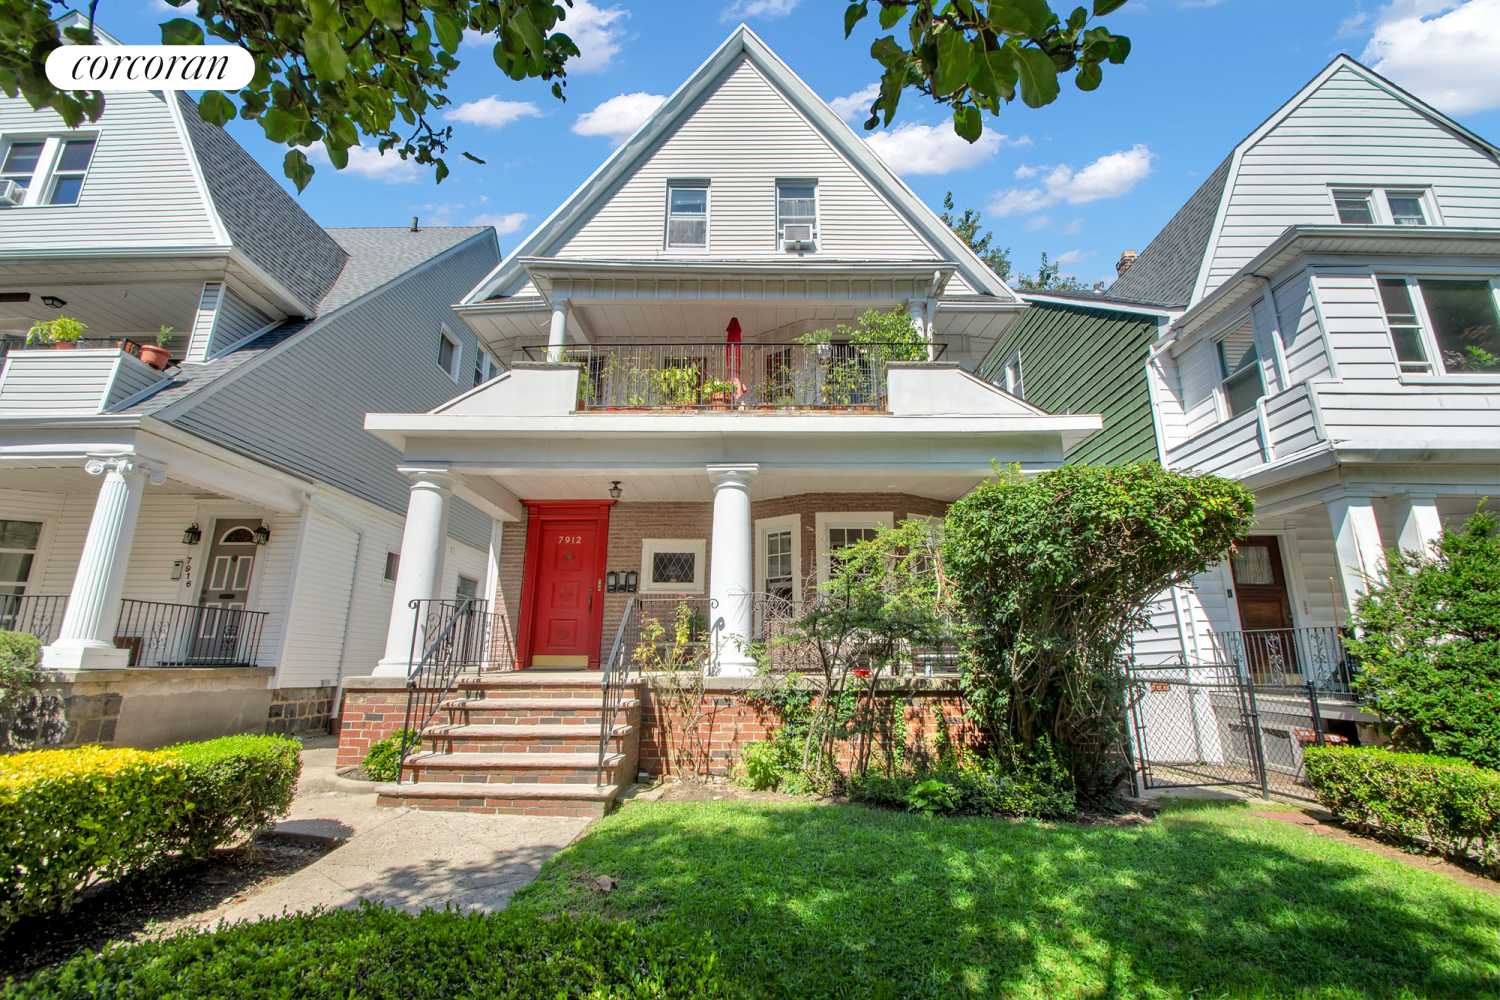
1447, 60
1037, 223
1073, 228
503, 223
619, 116
1107, 177
933, 149
491, 112
1023, 172
855, 106
599, 33
371, 163
742, 9
1074, 256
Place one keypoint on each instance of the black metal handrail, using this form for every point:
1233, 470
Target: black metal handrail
1290, 656
9, 344
40, 615
719, 376
188, 635
617, 670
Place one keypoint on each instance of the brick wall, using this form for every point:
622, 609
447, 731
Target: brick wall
369, 714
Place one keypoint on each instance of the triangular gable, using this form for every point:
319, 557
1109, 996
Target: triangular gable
704, 129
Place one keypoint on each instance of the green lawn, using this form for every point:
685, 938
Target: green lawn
839, 901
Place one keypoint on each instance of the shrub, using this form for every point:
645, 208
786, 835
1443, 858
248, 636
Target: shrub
236, 786
1039, 788
931, 796
20, 656
765, 764
375, 953
1452, 804
1429, 645
383, 760
1053, 576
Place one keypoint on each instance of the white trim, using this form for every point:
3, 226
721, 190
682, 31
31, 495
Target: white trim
43, 551
769, 525
686, 184
651, 546
844, 519
817, 223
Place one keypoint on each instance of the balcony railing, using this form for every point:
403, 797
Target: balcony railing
40, 615
718, 376
9, 344
783, 650
1289, 656
188, 635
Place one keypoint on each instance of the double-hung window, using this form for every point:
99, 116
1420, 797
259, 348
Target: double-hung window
485, 367
1448, 326
1239, 369
449, 353
49, 171
1380, 207
796, 214
1406, 208
687, 215
1354, 208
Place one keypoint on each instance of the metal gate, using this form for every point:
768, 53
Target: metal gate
1203, 725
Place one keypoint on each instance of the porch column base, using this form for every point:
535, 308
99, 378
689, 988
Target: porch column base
84, 656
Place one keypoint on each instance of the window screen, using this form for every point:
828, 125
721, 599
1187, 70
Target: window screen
687, 216
1406, 209
796, 205
20, 162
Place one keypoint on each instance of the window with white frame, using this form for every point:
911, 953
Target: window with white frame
672, 565
1239, 370
49, 170
1382, 207
1445, 326
1406, 208
1010, 377
18, 545
796, 213
485, 367
839, 530
778, 557
687, 215
1354, 208
449, 353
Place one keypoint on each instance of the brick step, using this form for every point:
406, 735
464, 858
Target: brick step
529, 711
488, 799
514, 738
514, 768
537, 684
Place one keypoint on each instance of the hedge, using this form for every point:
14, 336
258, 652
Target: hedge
375, 953
1413, 797
72, 818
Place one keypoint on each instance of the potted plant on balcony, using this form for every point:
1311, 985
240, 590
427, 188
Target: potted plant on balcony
157, 355
678, 387
61, 333
718, 392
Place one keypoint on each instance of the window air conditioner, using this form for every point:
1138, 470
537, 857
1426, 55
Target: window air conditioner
11, 193
797, 237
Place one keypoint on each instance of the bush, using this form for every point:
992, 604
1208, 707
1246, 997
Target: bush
73, 818
1413, 797
375, 953
1039, 788
1429, 645
27, 717
383, 760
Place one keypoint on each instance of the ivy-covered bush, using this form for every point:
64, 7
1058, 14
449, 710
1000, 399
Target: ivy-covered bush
383, 760
1413, 797
1054, 574
1428, 645
236, 785
381, 954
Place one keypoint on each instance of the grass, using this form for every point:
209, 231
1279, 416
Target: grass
1207, 901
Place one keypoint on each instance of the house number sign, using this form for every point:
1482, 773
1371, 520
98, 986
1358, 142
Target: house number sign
570, 539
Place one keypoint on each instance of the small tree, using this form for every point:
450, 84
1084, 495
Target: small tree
1054, 575
966, 227
1429, 645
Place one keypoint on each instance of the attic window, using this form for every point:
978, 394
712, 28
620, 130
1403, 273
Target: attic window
796, 213
1406, 208
1010, 377
47, 171
687, 216
1354, 208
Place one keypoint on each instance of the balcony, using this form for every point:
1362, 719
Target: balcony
93, 376
156, 634
830, 377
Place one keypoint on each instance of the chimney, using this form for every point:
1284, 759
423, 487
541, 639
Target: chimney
414, 225
1123, 264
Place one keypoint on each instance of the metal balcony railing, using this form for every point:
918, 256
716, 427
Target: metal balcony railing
40, 615
1290, 656
188, 635
9, 344
780, 376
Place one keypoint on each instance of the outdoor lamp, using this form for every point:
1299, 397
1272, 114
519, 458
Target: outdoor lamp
262, 534
614, 490
611, 582
192, 534
53, 302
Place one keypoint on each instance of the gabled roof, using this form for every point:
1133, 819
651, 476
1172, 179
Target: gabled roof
509, 276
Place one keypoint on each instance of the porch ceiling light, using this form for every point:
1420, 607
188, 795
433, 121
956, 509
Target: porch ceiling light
614, 489
53, 302
262, 534
192, 534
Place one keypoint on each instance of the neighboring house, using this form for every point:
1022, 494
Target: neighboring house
209, 544
1329, 338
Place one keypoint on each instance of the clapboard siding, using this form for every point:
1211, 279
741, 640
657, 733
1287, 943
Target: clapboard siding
1076, 359
140, 191
1198, 376
1228, 449
1379, 414
132, 377
1303, 345
1290, 422
379, 355
1161, 641
1349, 130
319, 603
742, 138
237, 320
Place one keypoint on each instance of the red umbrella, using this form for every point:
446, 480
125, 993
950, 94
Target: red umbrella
732, 338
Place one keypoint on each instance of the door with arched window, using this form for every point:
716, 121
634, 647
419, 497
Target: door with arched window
226, 590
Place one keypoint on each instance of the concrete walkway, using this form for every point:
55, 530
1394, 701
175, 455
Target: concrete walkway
401, 857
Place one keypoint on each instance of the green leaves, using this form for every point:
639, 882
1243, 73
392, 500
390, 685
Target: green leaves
215, 108
297, 169
954, 63
181, 31
1037, 77
325, 55
855, 13
967, 123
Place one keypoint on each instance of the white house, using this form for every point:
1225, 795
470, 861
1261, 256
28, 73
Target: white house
209, 543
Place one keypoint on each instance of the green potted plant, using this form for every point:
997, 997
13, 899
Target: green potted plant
718, 392
157, 355
61, 333
678, 386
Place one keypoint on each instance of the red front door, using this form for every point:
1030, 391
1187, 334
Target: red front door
563, 593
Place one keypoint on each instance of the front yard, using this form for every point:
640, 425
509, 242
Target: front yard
804, 901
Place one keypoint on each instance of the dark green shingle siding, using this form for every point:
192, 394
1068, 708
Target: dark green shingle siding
1079, 359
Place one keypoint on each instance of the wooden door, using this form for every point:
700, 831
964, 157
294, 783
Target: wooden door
563, 594
1265, 607
226, 591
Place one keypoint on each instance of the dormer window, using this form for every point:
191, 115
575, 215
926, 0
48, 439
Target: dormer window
687, 215
1239, 366
796, 214
46, 171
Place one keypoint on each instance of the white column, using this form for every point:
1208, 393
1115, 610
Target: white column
1419, 526
557, 335
731, 571
86, 639
917, 310
1356, 543
419, 577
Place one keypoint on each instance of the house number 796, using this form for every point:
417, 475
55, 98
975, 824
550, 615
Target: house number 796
570, 539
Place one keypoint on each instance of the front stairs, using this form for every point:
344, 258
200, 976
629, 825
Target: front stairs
521, 742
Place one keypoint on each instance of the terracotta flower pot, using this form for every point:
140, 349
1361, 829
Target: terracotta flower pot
156, 357
63, 345
718, 401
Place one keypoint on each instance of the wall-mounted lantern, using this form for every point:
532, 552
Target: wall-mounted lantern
262, 534
192, 535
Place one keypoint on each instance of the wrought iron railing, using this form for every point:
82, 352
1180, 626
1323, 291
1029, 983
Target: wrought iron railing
453, 638
188, 635
40, 615
783, 647
1292, 656
846, 376
9, 344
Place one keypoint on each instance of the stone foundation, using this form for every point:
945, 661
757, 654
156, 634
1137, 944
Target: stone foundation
295, 711
154, 707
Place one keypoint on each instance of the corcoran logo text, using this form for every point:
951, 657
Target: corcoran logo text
149, 67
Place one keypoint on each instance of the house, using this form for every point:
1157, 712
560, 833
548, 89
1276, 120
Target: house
1326, 317
206, 547
669, 431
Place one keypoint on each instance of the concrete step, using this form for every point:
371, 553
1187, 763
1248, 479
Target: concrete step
515, 738
488, 799
532, 711
514, 768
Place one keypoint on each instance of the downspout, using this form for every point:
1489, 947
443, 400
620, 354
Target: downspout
359, 546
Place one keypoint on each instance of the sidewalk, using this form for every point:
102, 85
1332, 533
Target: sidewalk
401, 857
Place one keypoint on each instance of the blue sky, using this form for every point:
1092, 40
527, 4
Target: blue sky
1083, 179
